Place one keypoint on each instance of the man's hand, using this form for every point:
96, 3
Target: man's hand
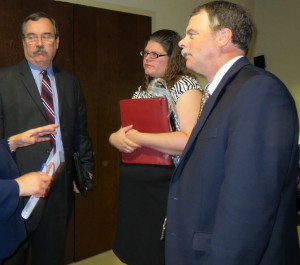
31, 136
75, 189
34, 183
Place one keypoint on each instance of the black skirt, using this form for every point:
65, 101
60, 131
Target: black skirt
142, 202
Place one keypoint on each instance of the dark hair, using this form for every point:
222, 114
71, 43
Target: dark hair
223, 14
169, 39
35, 17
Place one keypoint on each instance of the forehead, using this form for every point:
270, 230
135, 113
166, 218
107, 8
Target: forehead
199, 22
154, 46
40, 26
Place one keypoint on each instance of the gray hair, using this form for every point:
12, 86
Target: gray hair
35, 17
223, 14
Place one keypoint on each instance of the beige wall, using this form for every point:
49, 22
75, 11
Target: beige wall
277, 24
278, 39
169, 14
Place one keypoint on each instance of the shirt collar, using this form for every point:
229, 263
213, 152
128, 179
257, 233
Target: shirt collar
36, 70
221, 72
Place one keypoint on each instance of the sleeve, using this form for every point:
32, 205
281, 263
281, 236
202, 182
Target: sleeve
1, 117
82, 139
259, 174
9, 198
9, 189
184, 84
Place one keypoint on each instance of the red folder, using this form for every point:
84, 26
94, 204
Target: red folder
147, 115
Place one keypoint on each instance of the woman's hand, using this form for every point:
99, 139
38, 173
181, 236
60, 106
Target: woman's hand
133, 135
31, 136
120, 140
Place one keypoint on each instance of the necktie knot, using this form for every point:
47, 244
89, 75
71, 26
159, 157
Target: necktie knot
204, 98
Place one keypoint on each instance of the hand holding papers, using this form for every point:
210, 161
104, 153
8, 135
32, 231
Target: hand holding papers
50, 167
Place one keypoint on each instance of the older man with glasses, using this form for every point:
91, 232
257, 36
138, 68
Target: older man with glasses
35, 93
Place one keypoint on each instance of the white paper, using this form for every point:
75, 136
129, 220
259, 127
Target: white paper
50, 167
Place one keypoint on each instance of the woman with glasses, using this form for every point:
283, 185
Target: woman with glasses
143, 188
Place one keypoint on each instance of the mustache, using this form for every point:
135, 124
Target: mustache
40, 49
185, 52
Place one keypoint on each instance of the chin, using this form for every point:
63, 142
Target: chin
189, 65
150, 73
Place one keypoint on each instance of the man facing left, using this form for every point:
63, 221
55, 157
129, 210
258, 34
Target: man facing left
22, 108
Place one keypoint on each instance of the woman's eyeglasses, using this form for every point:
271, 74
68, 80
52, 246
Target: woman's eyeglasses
152, 55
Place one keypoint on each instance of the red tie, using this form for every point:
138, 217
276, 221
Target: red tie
47, 99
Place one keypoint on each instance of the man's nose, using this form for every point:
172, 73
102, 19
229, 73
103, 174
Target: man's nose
181, 43
39, 41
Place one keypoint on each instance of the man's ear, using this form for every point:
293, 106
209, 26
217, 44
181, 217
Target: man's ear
224, 36
57, 42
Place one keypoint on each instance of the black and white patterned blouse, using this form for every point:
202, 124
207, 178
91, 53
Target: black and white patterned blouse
184, 84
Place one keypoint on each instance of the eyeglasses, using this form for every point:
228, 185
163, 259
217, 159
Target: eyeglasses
153, 55
46, 37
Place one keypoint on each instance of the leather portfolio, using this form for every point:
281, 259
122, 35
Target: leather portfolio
81, 177
150, 116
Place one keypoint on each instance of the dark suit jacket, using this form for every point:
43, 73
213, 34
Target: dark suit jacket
232, 198
12, 227
21, 109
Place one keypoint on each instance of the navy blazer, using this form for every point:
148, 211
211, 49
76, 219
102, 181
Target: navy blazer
232, 198
12, 228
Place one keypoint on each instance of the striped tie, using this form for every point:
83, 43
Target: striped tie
47, 100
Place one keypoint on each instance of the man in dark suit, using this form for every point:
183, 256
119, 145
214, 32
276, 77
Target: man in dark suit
232, 198
12, 227
21, 108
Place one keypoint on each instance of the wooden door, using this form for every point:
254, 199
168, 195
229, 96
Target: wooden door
108, 64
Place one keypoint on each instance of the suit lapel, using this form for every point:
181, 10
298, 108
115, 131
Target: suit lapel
212, 101
30, 86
